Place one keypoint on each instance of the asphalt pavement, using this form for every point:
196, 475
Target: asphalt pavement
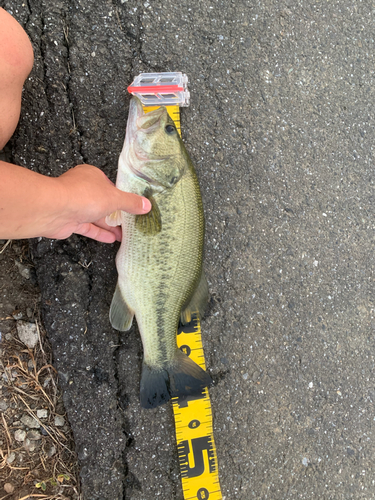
280, 129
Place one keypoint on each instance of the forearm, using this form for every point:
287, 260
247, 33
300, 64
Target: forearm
78, 201
28, 202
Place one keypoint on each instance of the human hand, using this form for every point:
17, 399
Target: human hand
89, 196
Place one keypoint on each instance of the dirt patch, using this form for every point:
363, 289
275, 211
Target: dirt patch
36, 446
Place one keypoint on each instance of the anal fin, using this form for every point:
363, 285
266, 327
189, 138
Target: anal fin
198, 302
120, 316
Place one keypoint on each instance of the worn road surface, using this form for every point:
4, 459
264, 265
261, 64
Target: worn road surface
281, 130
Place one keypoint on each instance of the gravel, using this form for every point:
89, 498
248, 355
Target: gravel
27, 333
8, 487
42, 413
59, 421
30, 422
3, 405
20, 435
11, 457
24, 270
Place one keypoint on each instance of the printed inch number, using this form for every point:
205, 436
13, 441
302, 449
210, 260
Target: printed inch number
194, 433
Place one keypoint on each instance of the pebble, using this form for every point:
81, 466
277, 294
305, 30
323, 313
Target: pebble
33, 435
27, 333
3, 405
30, 422
11, 457
45, 430
59, 421
8, 487
24, 271
29, 445
20, 435
6, 327
42, 413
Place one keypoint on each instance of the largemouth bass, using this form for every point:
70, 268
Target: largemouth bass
159, 263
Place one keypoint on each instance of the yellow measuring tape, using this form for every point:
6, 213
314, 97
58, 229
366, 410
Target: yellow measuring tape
194, 433
192, 414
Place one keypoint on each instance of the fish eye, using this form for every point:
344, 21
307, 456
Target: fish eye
170, 129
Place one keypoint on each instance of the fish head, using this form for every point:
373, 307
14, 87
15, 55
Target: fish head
155, 150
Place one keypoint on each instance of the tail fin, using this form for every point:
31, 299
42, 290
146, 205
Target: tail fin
183, 377
186, 377
154, 387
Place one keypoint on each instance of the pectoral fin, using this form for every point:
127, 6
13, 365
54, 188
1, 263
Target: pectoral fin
120, 316
149, 223
198, 302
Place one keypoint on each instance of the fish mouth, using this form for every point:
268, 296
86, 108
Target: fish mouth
141, 122
135, 109
137, 156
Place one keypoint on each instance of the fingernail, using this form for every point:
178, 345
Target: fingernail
146, 205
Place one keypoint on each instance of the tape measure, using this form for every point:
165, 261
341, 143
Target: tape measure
193, 416
194, 433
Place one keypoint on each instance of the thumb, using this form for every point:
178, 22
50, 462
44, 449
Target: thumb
133, 203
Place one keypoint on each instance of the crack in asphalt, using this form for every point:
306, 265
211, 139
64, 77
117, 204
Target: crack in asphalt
75, 132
